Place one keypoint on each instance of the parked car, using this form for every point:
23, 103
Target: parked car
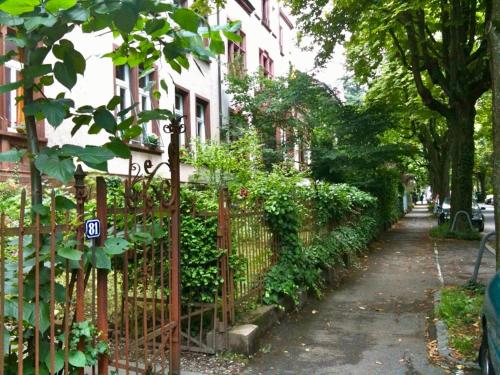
489, 199
489, 353
477, 218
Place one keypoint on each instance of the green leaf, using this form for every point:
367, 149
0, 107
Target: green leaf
217, 46
99, 166
11, 86
125, 18
186, 19
69, 253
89, 154
54, 110
17, 7
40, 209
64, 204
116, 246
154, 25
56, 5
58, 362
33, 23
13, 155
119, 148
102, 260
52, 166
7, 57
104, 119
8, 20
33, 72
65, 74
114, 102
44, 317
78, 13
77, 358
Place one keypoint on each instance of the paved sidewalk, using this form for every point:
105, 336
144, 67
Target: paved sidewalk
375, 323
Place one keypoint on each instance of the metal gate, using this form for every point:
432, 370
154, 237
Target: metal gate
68, 304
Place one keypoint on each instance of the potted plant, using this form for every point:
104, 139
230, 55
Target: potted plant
152, 141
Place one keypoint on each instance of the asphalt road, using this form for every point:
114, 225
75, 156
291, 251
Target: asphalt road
375, 322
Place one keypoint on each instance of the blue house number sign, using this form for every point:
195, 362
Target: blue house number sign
92, 228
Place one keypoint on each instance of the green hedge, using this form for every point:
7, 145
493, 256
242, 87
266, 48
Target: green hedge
302, 270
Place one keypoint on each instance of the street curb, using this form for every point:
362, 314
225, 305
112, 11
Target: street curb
442, 338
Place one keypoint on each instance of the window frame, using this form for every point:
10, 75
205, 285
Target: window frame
266, 63
238, 48
206, 117
134, 94
266, 13
186, 103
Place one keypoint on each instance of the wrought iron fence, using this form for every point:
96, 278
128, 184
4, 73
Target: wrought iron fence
71, 305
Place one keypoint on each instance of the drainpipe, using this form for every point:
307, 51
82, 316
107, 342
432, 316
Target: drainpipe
219, 79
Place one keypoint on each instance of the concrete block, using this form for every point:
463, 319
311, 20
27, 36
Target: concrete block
243, 339
220, 340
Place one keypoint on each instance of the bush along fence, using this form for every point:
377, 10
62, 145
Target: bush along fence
132, 299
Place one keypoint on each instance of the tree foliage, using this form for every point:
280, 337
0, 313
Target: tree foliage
442, 43
298, 105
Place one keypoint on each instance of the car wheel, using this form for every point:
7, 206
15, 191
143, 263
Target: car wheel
484, 357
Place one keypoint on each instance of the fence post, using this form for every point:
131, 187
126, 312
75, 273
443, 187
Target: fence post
175, 275
81, 196
102, 274
223, 243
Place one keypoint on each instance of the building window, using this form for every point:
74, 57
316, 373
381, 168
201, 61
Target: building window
123, 84
135, 87
266, 64
14, 114
146, 81
237, 53
182, 110
202, 120
265, 12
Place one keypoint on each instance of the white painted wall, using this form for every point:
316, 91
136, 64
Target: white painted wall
200, 79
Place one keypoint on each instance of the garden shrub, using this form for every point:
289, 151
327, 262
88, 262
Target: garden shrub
301, 271
200, 256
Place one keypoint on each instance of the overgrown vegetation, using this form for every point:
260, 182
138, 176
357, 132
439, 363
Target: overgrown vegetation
460, 309
443, 231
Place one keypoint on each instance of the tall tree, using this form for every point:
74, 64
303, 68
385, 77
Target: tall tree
441, 42
495, 73
414, 123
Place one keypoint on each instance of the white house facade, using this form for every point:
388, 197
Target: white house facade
199, 94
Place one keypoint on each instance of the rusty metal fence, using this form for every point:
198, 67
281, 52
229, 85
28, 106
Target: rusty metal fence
69, 305
256, 245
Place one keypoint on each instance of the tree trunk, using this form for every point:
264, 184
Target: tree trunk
461, 127
32, 139
481, 181
443, 177
494, 43
437, 154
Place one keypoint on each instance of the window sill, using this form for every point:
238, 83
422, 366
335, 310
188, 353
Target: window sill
266, 25
145, 149
246, 5
18, 136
